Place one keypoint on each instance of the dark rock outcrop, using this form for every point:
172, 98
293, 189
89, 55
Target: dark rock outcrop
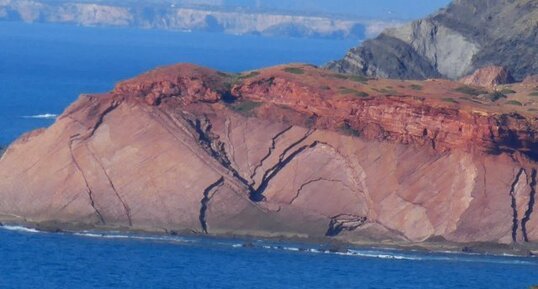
467, 35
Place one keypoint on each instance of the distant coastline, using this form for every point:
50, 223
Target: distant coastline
184, 18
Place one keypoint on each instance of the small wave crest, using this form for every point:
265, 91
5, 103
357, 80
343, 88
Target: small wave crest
42, 116
19, 229
131, 237
391, 255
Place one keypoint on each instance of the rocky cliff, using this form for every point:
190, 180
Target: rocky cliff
285, 151
467, 35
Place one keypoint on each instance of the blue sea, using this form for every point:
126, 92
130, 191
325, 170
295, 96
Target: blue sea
31, 259
44, 67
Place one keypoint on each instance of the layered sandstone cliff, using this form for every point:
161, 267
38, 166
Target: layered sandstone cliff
286, 151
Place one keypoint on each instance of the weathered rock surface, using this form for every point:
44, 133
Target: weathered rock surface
489, 76
467, 35
279, 152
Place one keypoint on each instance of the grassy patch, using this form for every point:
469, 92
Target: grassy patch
347, 90
468, 98
449, 99
294, 70
514, 102
358, 78
534, 93
249, 75
385, 91
470, 90
507, 91
340, 76
235, 78
245, 107
494, 96
361, 94
415, 87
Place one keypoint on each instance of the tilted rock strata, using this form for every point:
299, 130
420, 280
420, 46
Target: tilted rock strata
169, 150
467, 35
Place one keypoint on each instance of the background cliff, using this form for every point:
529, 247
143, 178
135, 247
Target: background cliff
452, 43
233, 18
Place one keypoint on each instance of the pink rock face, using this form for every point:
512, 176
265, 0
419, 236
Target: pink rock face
489, 77
164, 152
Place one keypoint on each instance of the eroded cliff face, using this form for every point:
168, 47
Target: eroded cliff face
276, 153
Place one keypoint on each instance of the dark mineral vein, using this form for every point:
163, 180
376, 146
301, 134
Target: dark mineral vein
530, 208
205, 201
513, 204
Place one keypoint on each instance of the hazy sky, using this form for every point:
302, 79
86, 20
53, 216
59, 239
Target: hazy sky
406, 9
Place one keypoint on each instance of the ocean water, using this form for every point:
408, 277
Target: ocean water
31, 259
44, 67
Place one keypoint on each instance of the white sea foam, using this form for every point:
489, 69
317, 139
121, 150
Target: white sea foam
132, 237
42, 116
410, 257
19, 229
89, 235
380, 255
291, 249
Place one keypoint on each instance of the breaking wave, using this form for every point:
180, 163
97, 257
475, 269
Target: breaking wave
19, 229
395, 255
42, 116
132, 237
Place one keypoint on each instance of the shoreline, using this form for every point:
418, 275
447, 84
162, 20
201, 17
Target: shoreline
332, 245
